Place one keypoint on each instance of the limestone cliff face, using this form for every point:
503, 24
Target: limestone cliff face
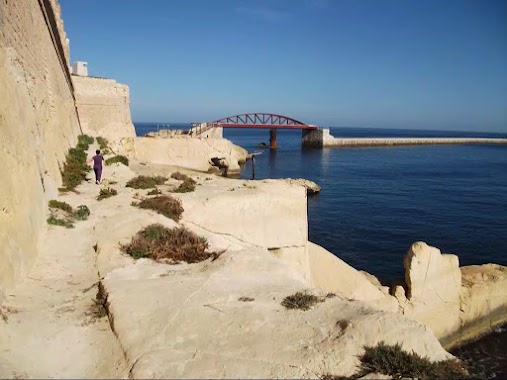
104, 107
38, 123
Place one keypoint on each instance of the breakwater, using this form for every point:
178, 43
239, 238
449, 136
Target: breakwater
410, 141
321, 138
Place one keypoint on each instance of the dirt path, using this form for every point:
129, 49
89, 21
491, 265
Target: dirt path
51, 325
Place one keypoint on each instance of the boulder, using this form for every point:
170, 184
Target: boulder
269, 214
433, 283
311, 187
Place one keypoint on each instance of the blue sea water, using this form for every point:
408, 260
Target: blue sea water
376, 201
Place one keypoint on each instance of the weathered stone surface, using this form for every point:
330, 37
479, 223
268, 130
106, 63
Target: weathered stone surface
434, 285
483, 300
184, 151
311, 187
430, 274
332, 274
195, 326
269, 214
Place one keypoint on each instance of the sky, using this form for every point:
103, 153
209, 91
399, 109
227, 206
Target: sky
429, 64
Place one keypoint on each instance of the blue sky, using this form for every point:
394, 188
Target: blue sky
429, 64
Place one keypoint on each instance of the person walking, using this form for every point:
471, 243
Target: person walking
97, 166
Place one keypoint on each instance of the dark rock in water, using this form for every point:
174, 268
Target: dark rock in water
262, 145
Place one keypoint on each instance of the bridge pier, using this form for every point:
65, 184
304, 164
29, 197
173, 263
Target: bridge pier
313, 138
272, 139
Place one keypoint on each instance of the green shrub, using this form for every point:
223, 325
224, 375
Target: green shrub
106, 193
75, 167
168, 245
145, 182
60, 205
119, 158
53, 220
186, 186
300, 300
85, 139
82, 212
103, 145
165, 205
393, 361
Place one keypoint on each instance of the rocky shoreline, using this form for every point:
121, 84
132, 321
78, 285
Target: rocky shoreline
193, 313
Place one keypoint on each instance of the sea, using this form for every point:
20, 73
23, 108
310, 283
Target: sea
376, 201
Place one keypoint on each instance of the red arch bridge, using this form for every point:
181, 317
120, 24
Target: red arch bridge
253, 120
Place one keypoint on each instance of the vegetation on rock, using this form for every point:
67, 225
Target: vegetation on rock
55, 221
168, 245
66, 215
106, 193
119, 158
103, 145
75, 166
145, 182
163, 204
393, 361
301, 301
82, 212
64, 206
186, 186
155, 191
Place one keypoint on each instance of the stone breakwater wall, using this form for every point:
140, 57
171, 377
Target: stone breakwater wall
103, 106
38, 123
321, 138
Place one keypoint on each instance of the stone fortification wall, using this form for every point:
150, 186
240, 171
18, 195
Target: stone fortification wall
104, 107
38, 123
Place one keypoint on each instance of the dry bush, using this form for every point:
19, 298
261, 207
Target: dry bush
300, 300
145, 182
186, 186
395, 362
64, 206
119, 158
168, 245
106, 193
163, 204
154, 192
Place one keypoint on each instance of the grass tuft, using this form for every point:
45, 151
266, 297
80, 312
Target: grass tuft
186, 186
168, 245
82, 213
119, 158
165, 205
146, 182
54, 221
106, 193
64, 206
394, 361
301, 301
